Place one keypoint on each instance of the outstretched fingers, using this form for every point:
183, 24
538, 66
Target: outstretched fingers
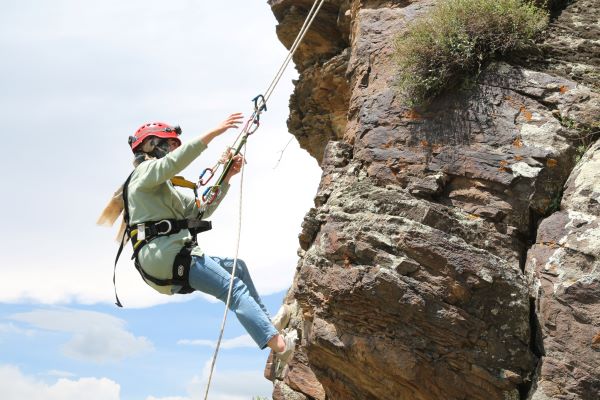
234, 120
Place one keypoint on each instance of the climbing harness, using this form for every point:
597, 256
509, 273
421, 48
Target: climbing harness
145, 232
260, 105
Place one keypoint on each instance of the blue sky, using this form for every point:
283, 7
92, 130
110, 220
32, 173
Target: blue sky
77, 78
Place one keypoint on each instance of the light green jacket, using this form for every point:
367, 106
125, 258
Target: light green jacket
152, 197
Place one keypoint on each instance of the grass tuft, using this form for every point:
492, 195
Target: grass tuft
457, 38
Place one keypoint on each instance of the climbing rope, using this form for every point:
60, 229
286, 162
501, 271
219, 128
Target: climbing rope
312, 14
235, 260
253, 123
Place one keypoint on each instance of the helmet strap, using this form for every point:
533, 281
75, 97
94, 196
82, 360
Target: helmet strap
139, 158
160, 149
155, 147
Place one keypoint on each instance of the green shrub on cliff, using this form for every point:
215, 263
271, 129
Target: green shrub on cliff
457, 37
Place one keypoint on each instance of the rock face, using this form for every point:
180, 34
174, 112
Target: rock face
416, 279
565, 266
571, 48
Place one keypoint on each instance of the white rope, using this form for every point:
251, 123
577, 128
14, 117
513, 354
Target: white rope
285, 63
237, 249
307, 23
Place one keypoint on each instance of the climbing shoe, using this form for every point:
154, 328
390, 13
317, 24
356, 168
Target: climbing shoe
285, 356
282, 318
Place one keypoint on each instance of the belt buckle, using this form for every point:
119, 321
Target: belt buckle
168, 229
141, 234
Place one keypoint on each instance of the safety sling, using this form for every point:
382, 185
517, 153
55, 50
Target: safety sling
143, 233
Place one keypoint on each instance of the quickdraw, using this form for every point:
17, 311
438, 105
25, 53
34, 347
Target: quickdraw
212, 192
201, 181
258, 109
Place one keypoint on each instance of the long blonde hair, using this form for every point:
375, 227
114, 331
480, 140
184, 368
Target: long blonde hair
115, 206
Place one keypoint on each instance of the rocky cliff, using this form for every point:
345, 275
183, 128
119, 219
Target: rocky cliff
452, 252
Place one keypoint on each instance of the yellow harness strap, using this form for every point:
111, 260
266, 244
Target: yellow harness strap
182, 182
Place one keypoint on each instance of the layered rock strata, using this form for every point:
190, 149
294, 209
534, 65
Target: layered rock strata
564, 265
414, 280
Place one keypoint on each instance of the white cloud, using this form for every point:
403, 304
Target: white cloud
225, 385
60, 374
89, 282
106, 73
78, 79
233, 343
11, 328
96, 336
83, 274
17, 386
230, 384
209, 298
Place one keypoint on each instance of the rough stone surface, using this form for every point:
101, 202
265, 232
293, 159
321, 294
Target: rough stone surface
414, 279
571, 48
564, 265
283, 391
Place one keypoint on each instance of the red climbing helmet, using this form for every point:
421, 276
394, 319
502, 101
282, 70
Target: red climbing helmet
158, 129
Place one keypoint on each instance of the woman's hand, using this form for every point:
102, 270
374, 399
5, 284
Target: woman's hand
236, 166
233, 121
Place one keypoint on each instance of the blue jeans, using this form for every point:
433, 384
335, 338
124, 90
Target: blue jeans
212, 275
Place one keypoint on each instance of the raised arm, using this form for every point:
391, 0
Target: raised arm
160, 170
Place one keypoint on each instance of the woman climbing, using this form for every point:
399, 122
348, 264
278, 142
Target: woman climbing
162, 223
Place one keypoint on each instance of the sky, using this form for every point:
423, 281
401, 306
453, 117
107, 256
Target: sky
76, 79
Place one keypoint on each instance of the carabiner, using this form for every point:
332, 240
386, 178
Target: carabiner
262, 107
202, 182
256, 123
210, 194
